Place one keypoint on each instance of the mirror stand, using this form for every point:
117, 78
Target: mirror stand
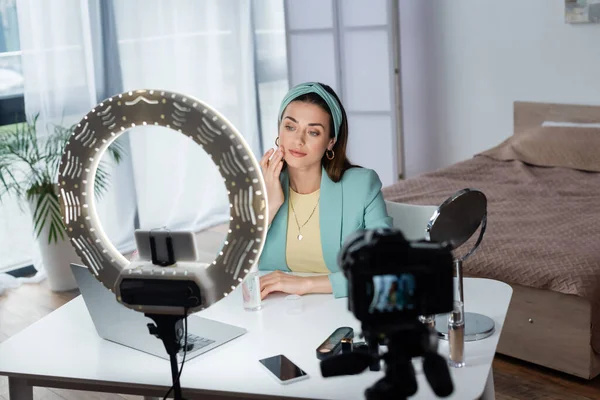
454, 222
477, 326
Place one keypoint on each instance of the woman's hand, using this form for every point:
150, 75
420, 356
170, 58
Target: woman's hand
279, 281
271, 170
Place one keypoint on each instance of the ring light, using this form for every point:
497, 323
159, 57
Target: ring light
142, 285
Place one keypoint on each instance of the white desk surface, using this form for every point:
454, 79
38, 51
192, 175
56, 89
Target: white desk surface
64, 349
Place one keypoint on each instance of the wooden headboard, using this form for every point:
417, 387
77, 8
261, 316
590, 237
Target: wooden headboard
531, 114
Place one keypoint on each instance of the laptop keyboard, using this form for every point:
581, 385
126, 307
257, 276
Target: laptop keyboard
195, 343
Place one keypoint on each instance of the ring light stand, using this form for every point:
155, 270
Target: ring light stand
164, 290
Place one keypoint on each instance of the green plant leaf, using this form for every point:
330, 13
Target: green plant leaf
57, 226
51, 234
7, 178
56, 223
38, 215
40, 220
47, 210
29, 168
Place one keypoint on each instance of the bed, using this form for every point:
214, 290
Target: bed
543, 234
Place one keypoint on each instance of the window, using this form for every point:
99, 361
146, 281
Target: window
14, 223
271, 66
11, 73
230, 54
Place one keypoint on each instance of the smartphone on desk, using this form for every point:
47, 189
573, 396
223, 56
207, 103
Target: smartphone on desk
283, 369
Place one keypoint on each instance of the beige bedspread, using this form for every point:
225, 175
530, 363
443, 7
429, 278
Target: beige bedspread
543, 223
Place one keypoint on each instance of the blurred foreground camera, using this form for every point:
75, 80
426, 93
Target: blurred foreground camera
391, 282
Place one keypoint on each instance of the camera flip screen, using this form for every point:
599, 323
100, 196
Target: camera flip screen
393, 292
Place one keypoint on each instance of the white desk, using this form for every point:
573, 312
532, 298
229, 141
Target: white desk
63, 350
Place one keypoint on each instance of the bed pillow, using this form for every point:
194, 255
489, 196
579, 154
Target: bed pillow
545, 146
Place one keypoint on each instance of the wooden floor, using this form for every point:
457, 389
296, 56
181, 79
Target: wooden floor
513, 379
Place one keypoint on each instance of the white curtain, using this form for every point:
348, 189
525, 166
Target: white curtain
202, 48
58, 68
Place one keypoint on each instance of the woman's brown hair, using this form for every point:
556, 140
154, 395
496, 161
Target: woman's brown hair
335, 168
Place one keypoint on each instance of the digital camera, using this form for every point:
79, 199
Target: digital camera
391, 280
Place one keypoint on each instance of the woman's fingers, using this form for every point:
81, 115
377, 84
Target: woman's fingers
268, 279
278, 168
279, 281
265, 158
276, 159
264, 161
271, 160
273, 287
264, 280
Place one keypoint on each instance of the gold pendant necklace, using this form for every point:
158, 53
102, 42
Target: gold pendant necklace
300, 237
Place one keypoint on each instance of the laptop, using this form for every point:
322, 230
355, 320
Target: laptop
122, 325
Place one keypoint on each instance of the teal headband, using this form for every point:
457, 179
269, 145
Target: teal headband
314, 87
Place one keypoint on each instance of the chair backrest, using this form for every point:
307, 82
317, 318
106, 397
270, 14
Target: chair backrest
411, 219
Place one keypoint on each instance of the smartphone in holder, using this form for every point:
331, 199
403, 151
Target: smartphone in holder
283, 369
180, 245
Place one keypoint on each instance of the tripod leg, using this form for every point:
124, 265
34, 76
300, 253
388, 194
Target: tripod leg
437, 374
404, 378
383, 390
374, 351
399, 382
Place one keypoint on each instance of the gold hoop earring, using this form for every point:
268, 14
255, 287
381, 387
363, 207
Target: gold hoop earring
332, 154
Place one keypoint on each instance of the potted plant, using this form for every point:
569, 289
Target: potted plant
29, 162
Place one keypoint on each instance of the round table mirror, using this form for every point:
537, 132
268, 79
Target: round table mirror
456, 220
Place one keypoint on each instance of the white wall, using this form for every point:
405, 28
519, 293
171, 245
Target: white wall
347, 45
464, 63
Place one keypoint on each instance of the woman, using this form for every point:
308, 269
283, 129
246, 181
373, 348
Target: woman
316, 197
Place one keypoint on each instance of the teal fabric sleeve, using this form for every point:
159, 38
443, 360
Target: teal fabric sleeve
339, 284
376, 215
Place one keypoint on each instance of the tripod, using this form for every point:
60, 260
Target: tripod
168, 328
400, 381
412, 340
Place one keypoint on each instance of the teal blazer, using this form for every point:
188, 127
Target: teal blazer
354, 203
